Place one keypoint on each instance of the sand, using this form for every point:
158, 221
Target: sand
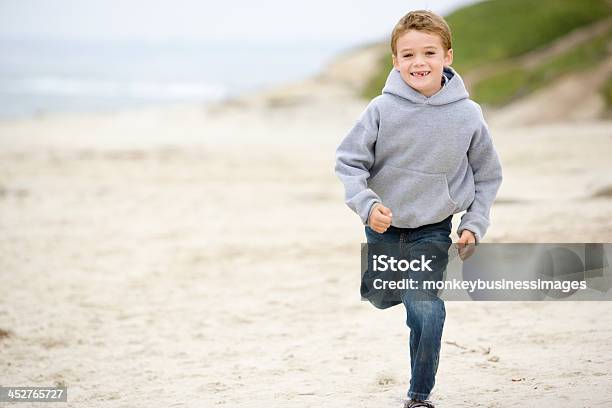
200, 257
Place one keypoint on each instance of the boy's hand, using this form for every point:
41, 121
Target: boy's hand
466, 244
380, 218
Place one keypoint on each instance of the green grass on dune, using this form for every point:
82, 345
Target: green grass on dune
512, 83
376, 83
495, 31
606, 92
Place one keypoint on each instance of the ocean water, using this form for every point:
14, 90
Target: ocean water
41, 76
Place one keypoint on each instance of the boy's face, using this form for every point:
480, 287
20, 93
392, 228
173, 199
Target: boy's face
420, 59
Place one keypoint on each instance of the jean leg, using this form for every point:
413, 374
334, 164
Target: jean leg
426, 321
378, 245
425, 312
391, 236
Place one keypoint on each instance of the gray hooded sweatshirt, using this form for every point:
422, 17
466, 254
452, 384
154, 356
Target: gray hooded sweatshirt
423, 157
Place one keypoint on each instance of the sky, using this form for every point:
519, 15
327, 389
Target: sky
99, 54
236, 21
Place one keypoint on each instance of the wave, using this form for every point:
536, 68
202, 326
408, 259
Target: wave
112, 88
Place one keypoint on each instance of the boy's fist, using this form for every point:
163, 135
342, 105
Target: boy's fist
380, 218
466, 244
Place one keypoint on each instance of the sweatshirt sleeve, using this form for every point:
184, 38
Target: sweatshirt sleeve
487, 170
354, 158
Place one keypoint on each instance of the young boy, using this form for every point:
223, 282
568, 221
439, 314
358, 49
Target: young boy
419, 153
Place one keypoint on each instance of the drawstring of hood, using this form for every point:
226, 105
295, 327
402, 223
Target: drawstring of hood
454, 89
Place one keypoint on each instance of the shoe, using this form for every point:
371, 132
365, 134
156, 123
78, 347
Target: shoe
418, 404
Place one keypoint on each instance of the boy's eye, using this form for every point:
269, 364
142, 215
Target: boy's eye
427, 53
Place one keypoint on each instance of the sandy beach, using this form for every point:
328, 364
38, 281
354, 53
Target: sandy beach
203, 256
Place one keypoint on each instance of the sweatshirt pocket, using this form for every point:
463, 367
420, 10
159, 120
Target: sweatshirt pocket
414, 197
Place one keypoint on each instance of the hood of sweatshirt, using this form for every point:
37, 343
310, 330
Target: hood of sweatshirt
454, 89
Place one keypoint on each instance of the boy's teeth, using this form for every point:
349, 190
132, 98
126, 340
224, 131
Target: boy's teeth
424, 73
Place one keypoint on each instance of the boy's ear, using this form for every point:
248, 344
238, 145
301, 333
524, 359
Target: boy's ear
394, 61
448, 58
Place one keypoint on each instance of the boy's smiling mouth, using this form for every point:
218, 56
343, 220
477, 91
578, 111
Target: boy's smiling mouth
420, 73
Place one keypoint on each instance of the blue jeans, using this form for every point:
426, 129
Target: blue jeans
425, 318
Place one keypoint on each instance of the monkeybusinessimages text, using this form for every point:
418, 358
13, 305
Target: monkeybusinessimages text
384, 263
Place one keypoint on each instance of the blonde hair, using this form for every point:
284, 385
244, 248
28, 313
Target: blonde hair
422, 20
